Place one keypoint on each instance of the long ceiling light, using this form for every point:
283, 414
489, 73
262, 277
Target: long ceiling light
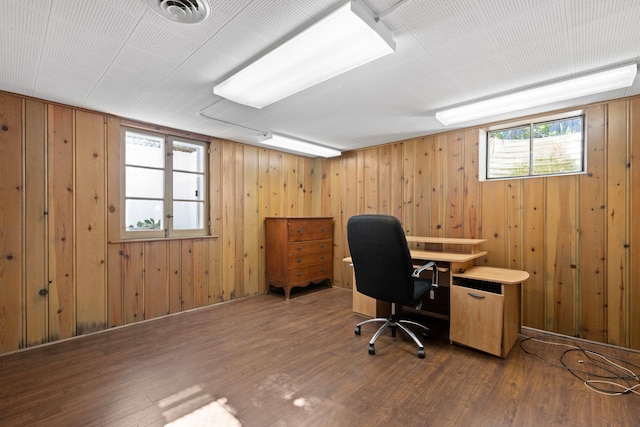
343, 40
614, 78
299, 147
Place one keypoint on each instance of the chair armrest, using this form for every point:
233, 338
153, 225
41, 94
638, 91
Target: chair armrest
428, 266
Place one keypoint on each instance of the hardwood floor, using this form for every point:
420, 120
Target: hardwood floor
296, 363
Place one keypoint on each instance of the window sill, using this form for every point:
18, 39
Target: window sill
161, 239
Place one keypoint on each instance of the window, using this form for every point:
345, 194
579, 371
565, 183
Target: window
550, 146
165, 185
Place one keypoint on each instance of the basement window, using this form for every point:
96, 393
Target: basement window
545, 146
165, 185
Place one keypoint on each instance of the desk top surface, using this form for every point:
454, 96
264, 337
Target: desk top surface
493, 274
444, 240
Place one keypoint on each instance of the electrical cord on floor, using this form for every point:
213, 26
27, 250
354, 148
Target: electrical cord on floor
597, 371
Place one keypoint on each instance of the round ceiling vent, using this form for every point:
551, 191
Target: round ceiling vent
183, 11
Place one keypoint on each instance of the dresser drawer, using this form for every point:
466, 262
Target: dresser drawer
314, 247
304, 275
310, 229
303, 260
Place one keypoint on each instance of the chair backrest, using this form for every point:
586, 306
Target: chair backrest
381, 258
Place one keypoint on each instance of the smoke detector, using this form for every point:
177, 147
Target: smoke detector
183, 11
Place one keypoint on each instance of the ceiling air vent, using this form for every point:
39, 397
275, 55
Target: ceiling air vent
183, 11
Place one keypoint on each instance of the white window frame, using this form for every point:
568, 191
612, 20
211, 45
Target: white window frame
167, 231
484, 143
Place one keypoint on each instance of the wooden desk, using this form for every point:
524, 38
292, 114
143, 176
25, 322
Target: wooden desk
486, 320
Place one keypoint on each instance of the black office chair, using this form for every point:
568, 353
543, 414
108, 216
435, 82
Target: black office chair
384, 271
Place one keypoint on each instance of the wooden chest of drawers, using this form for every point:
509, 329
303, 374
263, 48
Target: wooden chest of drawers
299, 251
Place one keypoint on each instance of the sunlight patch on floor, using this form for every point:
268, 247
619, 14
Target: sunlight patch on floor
193, 408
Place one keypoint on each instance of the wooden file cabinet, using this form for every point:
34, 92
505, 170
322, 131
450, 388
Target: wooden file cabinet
485, 308
299, 251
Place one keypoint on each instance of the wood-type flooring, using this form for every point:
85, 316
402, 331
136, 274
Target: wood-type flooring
263, 361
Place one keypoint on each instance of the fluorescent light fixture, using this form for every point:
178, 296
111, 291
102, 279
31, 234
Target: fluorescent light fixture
590, 84
300, 147
343, 40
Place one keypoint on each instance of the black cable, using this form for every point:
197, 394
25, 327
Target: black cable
610, 372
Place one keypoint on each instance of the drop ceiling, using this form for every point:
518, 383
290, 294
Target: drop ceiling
121, 58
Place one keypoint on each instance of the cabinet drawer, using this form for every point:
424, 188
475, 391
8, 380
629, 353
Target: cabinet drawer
314, 247
298, 260
304, 275
476, 319
310, 229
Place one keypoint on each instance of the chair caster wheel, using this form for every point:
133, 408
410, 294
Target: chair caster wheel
421, 353
372, 349
357, 330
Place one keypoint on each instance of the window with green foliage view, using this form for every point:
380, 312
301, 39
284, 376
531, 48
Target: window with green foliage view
553, 147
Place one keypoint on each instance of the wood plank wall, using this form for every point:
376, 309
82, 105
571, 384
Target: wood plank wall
576, 235
60, 207
64, 270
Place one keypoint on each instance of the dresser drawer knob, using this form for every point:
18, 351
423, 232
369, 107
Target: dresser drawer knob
322, 229
322, 270
299, 274
299, 248
299, 230
299, 260
321, 256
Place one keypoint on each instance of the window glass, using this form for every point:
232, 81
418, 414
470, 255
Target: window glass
144, 215
508, 152
551, 147
188, 215
557, 146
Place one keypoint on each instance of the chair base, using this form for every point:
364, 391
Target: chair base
394, 322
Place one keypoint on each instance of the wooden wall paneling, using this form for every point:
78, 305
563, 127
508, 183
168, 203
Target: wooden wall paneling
215, 282
396, 181
239, 227
561, 252
437, 197
533, 230
201, 274
115, 302
60, 179
514, 224
617, 251
370, 181
175, 275
133, 280
333, 181
187, 277
634, 239
408, 186
11, 224
592, 227
384, 180
91, 222
231, 230
115, 285
306, 190
252, 252
290, 175
494, 221
352, 206
340, 216
35, 220
453, 185
156, 279
277, 199
423, 185
472, 190
316, 182
215, 192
